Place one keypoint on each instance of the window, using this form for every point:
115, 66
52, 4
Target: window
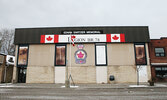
159, 52
101, 56
22, 59
140, 54
60, 55
161, 72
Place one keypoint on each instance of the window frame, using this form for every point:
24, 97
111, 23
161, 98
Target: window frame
144, 53
65, 54
106, 62
160, 52
161, 71
20, 65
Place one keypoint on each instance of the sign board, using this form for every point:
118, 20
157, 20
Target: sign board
83, 38
80, 55
82, 32
10, 60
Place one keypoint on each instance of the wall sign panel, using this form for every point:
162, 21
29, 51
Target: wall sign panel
84, 38
82, 32
80, 55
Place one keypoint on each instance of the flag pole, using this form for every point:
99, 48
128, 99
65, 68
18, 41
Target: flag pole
70, 59
67, 85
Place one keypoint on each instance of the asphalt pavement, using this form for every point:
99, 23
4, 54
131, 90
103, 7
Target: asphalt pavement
83, 92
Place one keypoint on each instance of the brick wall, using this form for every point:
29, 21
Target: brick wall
158, 43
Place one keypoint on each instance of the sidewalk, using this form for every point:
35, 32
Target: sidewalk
112, 86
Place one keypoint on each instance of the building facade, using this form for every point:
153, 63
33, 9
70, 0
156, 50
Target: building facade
87, 54
6, 68
158, 59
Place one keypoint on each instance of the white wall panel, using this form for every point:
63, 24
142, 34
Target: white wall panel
101, 74
59, 74
143, 77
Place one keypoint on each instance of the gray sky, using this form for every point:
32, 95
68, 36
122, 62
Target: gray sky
60, 13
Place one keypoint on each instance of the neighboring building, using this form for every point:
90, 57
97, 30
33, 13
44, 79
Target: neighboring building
2, 66
158, 59
44, 54
6, 68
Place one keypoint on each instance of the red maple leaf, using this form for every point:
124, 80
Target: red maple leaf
72, 37
115, 37
49, 38
80, 55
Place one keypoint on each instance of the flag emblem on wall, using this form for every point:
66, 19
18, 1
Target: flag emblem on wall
49, 38
115, 37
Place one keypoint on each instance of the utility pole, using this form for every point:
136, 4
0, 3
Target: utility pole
67, 82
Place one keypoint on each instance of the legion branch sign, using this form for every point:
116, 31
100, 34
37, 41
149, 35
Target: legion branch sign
83, 38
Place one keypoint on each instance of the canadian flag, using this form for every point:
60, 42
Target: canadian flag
49, 38
115, 37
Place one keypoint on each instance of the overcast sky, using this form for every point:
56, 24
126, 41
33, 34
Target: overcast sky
61, 13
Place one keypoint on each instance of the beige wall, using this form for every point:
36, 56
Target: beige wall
41, 64
121, 54
85, 74
43, 74
41, 55
122, 74
90, 60
122, 66
82, 73
14, 79
148, 62
121, 63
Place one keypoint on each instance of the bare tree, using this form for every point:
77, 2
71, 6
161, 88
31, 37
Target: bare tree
0, 39
7, 41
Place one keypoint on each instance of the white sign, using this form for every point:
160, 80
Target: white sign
10, 60
83, 38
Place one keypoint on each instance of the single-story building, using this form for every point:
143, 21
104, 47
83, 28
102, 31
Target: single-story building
87, 54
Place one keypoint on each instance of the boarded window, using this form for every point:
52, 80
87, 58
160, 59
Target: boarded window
22, 56
140, 54
60, 55
101, 58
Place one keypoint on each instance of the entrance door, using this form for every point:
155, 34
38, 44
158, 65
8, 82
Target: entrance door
22, 74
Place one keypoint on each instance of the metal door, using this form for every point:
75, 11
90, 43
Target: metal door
22, 74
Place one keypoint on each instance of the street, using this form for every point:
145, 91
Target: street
43, 92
